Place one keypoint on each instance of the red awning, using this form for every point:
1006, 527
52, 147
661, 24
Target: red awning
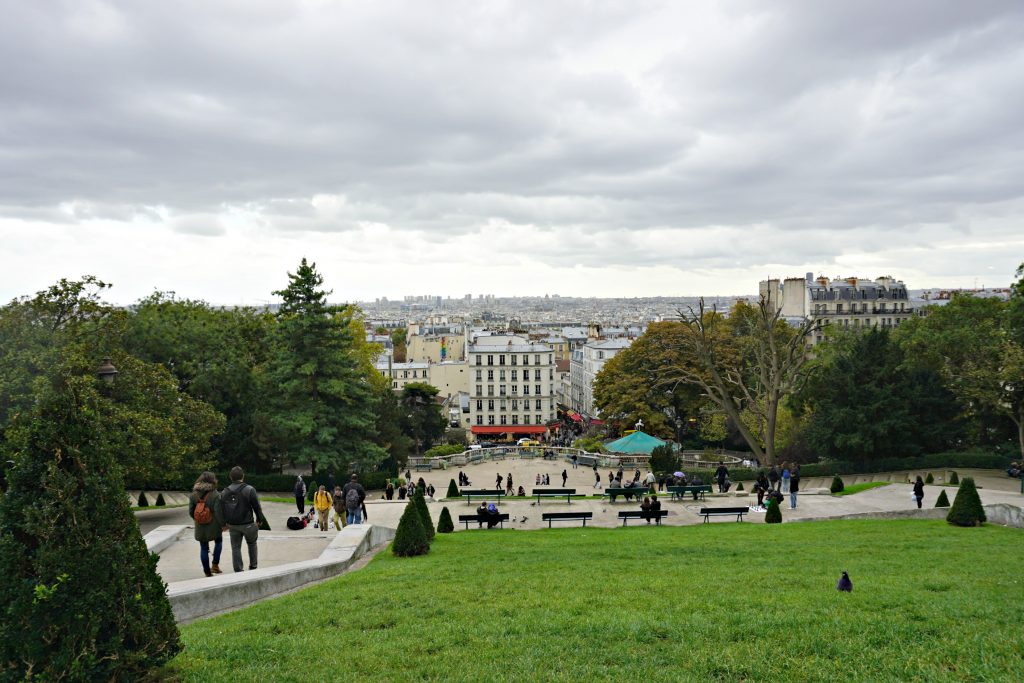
509, 429
595, 421
575, 417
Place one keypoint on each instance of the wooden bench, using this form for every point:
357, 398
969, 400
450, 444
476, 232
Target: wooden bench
424, 467
638, 491
484, 519
724, 512
553, 493
550, 517
679, 492
482, 494
627, 515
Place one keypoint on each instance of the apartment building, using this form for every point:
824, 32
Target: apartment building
512, 386
587, 361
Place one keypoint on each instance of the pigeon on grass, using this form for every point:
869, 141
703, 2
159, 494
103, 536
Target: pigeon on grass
844, 584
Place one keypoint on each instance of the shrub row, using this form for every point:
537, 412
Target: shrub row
267, 482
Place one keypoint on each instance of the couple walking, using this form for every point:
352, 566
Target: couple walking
236, 510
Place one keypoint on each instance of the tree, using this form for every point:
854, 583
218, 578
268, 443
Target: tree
664, 459
421, 506
319, 399
773, 515
410, 537
422, 420
453, 491
943, 500
444, 522
837, 484
967, 509
398, 337
69, 612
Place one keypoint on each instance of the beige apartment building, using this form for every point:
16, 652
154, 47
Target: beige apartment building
512, 387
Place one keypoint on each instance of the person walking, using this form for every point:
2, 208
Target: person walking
498, 479
794, 487
785, 478
919, 491
721, 474
575, 461
322, 503
565, 477
339, 517
597, 479
205, 509
509, 489
389, 490
651, 480
242, 512
773, 478
354, 496
300, 494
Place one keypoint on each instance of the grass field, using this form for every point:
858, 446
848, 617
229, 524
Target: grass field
863, 486
727, 602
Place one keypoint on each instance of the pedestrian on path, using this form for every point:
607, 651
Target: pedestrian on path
338, 503
565, 477
355, 494
919, 491
794, 487
498, 479
773, 478
300, 494
242, 512
575, 461
509, 490
205, 509
597, 479
322, 503
785, 478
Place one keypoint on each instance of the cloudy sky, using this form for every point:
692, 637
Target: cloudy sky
584, 148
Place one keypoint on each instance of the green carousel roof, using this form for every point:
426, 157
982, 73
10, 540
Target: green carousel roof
637, 442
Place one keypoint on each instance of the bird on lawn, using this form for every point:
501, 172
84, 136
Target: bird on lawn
844, 583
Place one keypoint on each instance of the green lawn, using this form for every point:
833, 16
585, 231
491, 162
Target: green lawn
725, 601
863, 486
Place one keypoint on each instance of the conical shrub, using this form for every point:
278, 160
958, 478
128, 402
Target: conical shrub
942, 501
929, 479
143, 501
410, 537
160, 500
967, 509
774, 512
453, 490
954, 478
739, 486
444, 522
421, 505
264, 524
837, 484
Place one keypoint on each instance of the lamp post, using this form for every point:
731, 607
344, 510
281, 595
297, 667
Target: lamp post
106, 371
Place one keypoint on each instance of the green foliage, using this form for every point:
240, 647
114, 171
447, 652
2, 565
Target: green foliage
590, 444
443, 449
71, 610
967, 509
318, 396
923, 462
837, 484
421, 507
444, 522
739, 486
160, 500
664, 459
773, 515
863, 486
143, 501
954, 478
410, 537
943, 500
422, 420
390, 436
453, 490
929, 479
264, 525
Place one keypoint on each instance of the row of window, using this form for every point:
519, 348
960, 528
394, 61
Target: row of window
514, 375
504, 420
406, 375
537, 404
879, 308
501, 390
514, 358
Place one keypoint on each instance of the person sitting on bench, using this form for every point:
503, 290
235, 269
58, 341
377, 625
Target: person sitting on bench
481, 513
493, 515
645, 508
696, 481
522, 492
655, 507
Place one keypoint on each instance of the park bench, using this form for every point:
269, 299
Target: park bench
680, 492
637, 491
424, 467
724, 512
627, 515
481, 494
553, 493
550, 517
483, 519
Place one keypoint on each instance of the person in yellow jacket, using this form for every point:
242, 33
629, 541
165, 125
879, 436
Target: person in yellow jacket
322, 503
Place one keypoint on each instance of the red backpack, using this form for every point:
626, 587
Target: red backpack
202, 514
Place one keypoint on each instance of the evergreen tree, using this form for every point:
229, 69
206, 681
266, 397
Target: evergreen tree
773, 515
69, 612
837, 484
943, 500
967, 509
739, 486
143, 501
954, 479
421, 506
160, 502
320, 400
410, 537
929, 479
453, 490
444, 522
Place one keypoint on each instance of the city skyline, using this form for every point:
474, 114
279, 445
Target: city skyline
611, 151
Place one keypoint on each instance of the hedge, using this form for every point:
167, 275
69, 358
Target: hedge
269, 482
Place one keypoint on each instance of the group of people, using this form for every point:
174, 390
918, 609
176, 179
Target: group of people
1015, 469
489, 514
783, 480
236, 509
650, 507
405, 491
348, 503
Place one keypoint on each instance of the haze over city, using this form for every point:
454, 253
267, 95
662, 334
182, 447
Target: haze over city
584, 149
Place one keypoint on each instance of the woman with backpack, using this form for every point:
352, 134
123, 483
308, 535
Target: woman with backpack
205, 509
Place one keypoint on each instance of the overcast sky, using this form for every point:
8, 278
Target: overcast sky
580, 148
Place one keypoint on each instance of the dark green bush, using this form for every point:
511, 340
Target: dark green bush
934, 461
837, 484
954, 478
774, 513
929, 479
444, 522
143, 501
739, 486
160, 500
268, 483
410, 537
421, 506
453, 489
942, 501
967, 509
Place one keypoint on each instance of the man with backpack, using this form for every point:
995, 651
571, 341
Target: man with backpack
354, 495
242, 512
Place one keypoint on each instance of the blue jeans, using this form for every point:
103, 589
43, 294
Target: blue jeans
204, 553
792, 499
354, 517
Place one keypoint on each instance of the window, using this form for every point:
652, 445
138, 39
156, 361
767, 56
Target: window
490, 419
515, 419
479, 419
479, 375
514, 357
536, 374
490, 404
536, 359
490, 360
501, 359
490, 375
490, 390
405, 374
515, 374
479, 359
501, 375
502, 405
540, 420
504, 420
537, 405
526, 390
394, 385
515, 404
526, 359
536, 389
515, 389
479, 404
839, 308
501, 390
479, 390
600, 355
551, 373
549, 359
526, 419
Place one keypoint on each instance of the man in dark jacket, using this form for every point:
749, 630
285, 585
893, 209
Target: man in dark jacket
300, 494
243, 513
721, 474
774, 480
354, 495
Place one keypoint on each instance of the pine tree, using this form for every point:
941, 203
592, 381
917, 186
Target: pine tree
929, 479
444, 522
967, 509
774, 514
421, 506
837, 484
143, 501
453, 490
69, 612
410, 537
942, 501
160, 500
739, 486
953, 478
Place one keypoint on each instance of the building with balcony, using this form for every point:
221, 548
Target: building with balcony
511, 386
586, 362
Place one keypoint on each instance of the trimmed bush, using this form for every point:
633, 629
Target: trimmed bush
264, 524
160, 500
954, 478
942, 501
410, 537
739, 486
421, 506
929, 479
837, 484
444, 522
774, 513
143, 501
967, 509
453, 490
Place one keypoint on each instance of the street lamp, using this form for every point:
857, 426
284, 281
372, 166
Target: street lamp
107, 372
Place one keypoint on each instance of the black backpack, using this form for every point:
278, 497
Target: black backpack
235, 503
